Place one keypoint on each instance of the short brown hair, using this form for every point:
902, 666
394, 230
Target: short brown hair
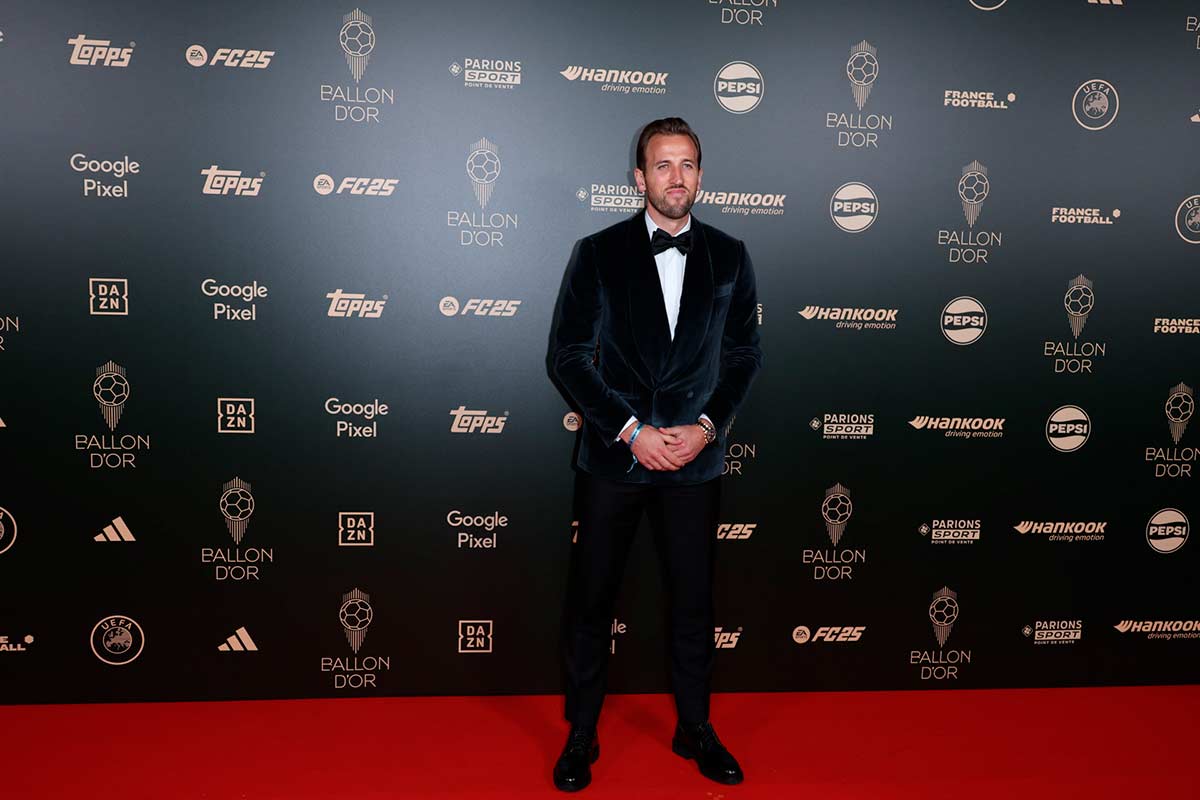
668, 126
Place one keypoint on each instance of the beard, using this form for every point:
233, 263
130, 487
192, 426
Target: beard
677, 209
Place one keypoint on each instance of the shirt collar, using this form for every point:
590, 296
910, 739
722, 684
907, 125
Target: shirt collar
651, 227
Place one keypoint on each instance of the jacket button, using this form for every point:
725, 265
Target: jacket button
690, 394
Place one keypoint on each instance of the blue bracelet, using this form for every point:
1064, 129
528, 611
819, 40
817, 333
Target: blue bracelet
633, 436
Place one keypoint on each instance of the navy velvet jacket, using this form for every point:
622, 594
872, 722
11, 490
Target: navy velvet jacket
611, 345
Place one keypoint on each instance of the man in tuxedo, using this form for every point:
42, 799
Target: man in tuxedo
656, 341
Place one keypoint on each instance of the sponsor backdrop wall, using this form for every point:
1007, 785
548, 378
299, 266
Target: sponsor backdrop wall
278, 280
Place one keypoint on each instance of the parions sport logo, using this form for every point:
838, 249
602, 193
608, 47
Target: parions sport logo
844, 426
487, 73
236, 57
619, 80
739, 87
1054, 631
87, 52
962, 427
854, 207
951, 531
1068, 428
611, 198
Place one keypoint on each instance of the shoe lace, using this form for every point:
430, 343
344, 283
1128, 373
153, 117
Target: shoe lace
580, 740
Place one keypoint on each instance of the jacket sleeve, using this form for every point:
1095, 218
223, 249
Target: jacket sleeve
741, 356
575, 332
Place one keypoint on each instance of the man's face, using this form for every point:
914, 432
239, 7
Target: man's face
672, 176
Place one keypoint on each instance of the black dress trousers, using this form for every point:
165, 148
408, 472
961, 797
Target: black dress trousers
683, 518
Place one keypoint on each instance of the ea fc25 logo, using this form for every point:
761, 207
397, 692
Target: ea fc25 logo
235, 415
1167, 530
854, 207
739, 87
964, 320
479, 307
1187, 220
1095, 104
324, 184
826, 633
117, 640
197, 56
1068, 428
475, 635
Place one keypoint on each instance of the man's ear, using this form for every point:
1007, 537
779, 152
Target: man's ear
639, 178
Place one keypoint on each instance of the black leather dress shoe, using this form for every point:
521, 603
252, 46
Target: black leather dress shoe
700, 742
573, 770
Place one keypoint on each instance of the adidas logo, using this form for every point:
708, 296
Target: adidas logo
2, 425
239, 641
118, 531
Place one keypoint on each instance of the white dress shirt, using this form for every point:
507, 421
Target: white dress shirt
671, 264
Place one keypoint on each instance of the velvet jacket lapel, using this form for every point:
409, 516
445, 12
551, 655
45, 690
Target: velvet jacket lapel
651, 330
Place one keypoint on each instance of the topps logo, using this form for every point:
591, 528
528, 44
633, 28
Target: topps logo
740, 530
89, 52
230, 181
472, 420
726, 640
348, 304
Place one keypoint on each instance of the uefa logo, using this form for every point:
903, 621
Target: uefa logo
964, 319
1068, 428
739, 87
1187, 220
8, 530
117, 640
1095, 104
988, 5
854, 207
1167, 531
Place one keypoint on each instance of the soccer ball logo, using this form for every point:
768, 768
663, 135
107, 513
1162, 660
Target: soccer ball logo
1179, 407
862, 69
943, 612
836, 509
1078, 301
111, 390
357, 38
355, 615
483, 166
236, 504
973, 187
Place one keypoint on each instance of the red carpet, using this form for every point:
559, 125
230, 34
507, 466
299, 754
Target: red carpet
960, 745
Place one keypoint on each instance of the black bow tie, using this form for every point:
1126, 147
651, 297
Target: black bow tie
661, 240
